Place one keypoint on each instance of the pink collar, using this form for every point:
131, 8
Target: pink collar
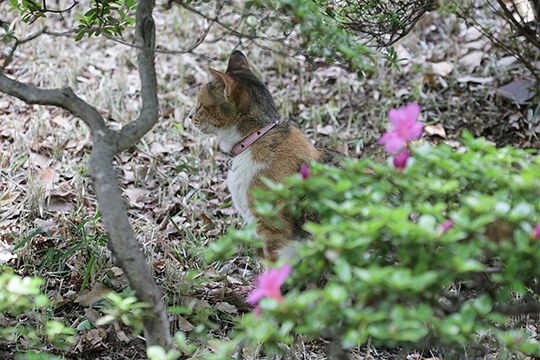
244, 144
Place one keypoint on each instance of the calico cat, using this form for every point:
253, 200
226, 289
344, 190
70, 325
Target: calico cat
238, 108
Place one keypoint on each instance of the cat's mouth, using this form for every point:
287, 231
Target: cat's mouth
198, 121
203, 127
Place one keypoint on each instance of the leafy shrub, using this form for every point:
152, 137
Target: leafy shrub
439, 255
124, 308
22, 295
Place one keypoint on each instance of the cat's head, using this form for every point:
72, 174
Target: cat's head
233, 99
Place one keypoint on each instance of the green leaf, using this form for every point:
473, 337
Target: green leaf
84, 325
79, 36
336, 293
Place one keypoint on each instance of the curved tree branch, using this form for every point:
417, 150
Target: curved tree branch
64, 98
145, 39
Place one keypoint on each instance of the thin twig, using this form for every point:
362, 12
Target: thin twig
521, 29
17, 43
230, 28
515, 50
43, 9
160, 51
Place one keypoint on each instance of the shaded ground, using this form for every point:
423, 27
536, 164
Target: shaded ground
174, 179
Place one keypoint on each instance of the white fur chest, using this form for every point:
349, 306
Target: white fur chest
242, 171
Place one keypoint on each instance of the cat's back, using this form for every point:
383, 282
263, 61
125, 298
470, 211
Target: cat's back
284, 150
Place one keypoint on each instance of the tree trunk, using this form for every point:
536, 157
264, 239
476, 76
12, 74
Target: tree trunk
106, 144
125, 247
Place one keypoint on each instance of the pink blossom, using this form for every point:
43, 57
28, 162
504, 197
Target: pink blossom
446, 225
304, 171
400, 161
404, 121
406, 128
269, 284
392, 142
536, 232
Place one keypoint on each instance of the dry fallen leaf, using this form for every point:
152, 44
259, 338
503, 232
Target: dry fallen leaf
95, 338
475, 79
47, 178
436, 129
88, 297
92, 315
233, 280
227, 308
76, 145
325, 130
471, 34
160, 265
481, 44
472, 60
167, 148
158, 148
443, 68
519, 92
138, 196
8, 197
62, 122
117, 271
402, 92
59, 204
121, 335
343, 148
506, 61
45, 224
183, 324
39, 160
5, 253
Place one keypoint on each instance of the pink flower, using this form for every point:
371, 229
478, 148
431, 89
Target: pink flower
446, 225
269, 284
406, 128
536, 232
392, 142
304, 171
400, 161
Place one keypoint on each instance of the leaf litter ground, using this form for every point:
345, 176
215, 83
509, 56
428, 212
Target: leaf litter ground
174, 179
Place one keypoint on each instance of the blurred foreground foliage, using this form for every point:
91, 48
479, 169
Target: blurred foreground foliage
36, 331
382, 269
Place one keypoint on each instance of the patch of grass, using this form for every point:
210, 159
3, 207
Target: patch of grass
77, 255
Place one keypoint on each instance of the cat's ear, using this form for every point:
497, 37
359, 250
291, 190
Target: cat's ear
237, 61
227, 80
